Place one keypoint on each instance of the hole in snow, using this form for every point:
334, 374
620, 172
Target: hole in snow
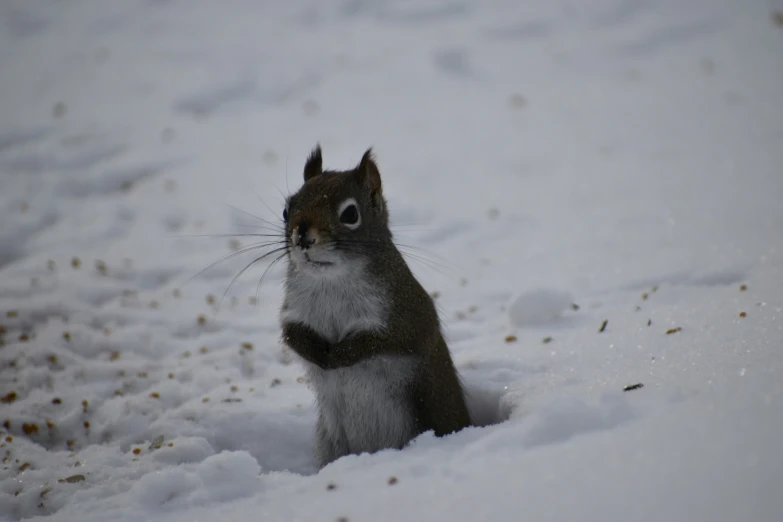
486, 406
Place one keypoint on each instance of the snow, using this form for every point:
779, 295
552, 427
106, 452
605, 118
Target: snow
539, 306
621, 156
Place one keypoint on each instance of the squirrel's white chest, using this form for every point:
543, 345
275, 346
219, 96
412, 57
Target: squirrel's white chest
334, 307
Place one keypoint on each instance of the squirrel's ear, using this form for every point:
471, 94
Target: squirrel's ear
371, 177
313, 167
368, 170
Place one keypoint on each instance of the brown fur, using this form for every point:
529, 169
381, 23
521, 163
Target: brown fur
412, 327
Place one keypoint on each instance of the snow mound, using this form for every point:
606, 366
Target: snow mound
539, 307
226, 476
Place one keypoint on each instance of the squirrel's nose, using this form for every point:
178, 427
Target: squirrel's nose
303, 239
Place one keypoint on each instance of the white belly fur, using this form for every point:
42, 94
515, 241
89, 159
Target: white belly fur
366, 407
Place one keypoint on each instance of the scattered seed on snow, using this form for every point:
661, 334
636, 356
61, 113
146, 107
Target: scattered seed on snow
75, 262
392, 481
603, 326
59, 110
516, 101
511, 338
546, 340
72, 479
673, 330
631, 387
157, 443
743, 288
742, 314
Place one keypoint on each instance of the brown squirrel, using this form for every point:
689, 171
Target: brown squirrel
368, 333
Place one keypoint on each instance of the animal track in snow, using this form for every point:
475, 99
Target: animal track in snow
114, 180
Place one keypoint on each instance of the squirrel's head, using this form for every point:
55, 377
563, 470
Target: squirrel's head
336, 216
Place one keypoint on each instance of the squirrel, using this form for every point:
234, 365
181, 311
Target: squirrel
367, 332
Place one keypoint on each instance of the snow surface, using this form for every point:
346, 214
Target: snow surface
625, 156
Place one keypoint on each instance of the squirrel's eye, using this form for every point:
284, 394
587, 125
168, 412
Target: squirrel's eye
349, 214
285, 214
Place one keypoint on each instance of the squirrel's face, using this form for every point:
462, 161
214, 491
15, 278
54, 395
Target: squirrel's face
337, 217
